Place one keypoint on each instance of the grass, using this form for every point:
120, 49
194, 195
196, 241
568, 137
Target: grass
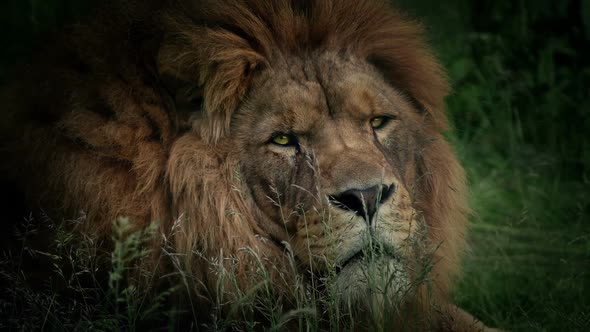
521, 73
85, 290
521, 117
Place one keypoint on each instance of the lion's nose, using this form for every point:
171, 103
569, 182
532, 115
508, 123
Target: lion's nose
363, 202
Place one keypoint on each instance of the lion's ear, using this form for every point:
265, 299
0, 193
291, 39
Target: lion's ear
226, 81
217, 62
426, 88
397, 49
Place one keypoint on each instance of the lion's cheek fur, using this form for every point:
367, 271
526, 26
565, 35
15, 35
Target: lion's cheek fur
219, 229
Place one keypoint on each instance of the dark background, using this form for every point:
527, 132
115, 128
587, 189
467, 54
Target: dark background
520, 109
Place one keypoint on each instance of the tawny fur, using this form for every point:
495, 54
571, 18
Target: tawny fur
91, 128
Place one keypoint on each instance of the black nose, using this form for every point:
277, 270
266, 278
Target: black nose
363, 202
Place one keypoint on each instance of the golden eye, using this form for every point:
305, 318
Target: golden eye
282, 139
378, 122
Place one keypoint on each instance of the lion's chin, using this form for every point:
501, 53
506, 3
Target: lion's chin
368, 282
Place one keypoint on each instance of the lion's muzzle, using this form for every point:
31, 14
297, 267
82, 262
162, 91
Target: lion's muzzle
363, 202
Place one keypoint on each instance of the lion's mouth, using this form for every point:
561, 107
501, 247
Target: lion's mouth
354, 258
372, 273
367, 254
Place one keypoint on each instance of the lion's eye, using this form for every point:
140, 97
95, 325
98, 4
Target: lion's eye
284, 139
379, 122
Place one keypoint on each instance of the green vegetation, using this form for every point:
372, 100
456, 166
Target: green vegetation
84, 290
521, 116
521, 113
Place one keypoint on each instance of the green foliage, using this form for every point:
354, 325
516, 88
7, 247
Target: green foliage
134, 296
77, 295
521, 113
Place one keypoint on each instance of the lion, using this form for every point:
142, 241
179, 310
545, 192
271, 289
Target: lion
304, 138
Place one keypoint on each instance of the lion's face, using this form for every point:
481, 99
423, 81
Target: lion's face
317, 129
328, 153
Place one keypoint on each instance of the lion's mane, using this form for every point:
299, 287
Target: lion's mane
92, 128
